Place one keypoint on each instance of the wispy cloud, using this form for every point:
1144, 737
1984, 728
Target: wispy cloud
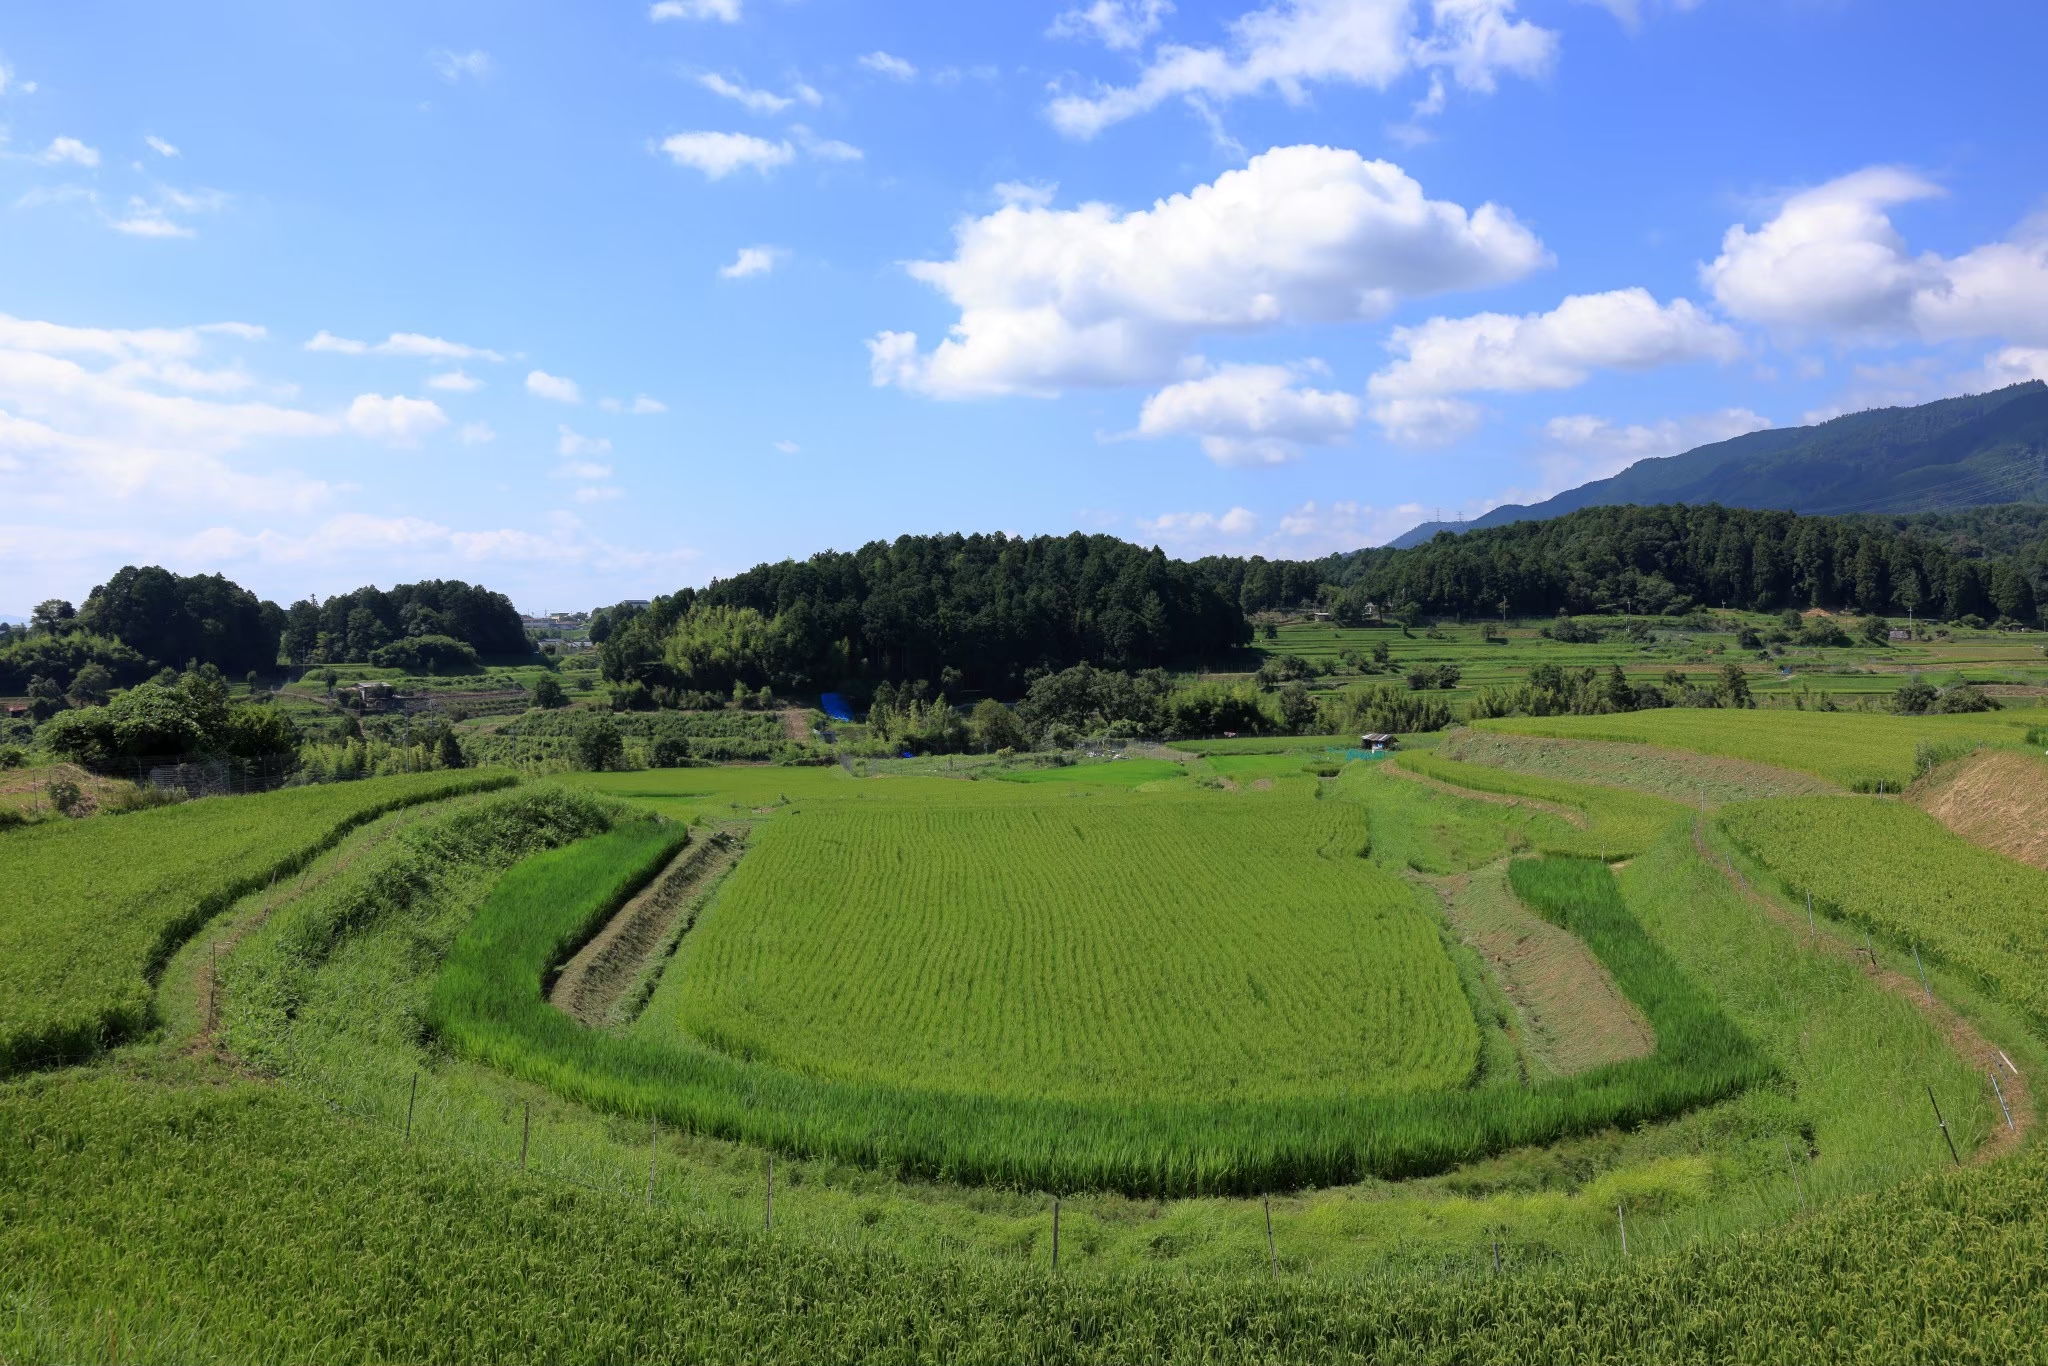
457, 66
895, 68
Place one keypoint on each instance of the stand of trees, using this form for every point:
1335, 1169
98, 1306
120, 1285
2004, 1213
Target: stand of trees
1668, 560
978, 612
354, 627
178, 717
176, 619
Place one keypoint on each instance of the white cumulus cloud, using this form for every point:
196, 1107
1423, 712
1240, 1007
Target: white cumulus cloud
718, 155
895, 68
1121, 25
1294, 43
1051, 298
1831, 262
541, 384
1250, 414
1180, 525
159, 146
725, 11
70, 150
751, 261
1583, 447
396, 420
455, 382
1495, 352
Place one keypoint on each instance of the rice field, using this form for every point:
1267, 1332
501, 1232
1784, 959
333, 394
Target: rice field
1141, 949
91, 910
1895, 871
1856, 750
1616, 824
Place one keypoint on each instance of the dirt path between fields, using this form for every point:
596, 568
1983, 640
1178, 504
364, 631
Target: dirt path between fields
1570, 814
1961, 1034
1573, 1016
796, 726
597, 985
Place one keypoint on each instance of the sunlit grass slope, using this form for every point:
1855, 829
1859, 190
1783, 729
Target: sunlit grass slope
90, 910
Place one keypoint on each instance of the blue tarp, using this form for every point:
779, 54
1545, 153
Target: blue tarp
834, 706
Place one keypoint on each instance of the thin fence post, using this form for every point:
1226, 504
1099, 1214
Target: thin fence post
1944, 1127
1055, 1233
768, 1216
212, 986
1870, 949
525, 1135
653, 1154
1812, 932
1272, 1248
1923, 975
1796, 1186
410, 1101
1621, 1218
2000, 1092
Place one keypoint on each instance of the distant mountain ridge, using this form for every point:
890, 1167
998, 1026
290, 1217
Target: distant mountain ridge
1955, 452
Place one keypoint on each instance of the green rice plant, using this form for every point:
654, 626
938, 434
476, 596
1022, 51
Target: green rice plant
1893, 870
244, 1222
1145, 949
1857, 750
1619, 824
858, 1100
91, 910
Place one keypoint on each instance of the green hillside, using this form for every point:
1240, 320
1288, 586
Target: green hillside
1955, 452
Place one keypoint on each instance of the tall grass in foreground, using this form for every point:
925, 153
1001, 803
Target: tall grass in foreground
244, 1223
488, 1005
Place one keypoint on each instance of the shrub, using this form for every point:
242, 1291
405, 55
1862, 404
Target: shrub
427, 655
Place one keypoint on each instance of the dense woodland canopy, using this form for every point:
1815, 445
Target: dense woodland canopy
984, 612
353, 627
174, 619
1673, 558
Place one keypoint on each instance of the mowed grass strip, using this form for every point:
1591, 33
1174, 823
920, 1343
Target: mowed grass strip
1140, 948
91, 910
1856, 750
1895, 871
488, 1006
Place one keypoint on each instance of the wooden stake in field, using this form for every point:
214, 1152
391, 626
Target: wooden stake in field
1496, 1256
1944, 1126
525, 1135
212, 985
1999, 1091
1923, 975
1811, 931
1870, 949
410, 1101
1055, 1233
1797, 1188
1621, 1218
1272, 1249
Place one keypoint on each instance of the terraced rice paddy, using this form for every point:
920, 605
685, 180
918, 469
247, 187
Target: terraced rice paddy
1856, 750
1141, 948
1975, 910
90, 910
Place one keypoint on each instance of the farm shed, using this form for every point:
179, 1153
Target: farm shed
1373, 739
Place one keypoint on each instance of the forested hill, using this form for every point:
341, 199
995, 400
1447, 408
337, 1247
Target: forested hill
1957, 452
1672, 558
976, 610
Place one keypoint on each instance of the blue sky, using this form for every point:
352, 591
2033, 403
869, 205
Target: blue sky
592, 301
